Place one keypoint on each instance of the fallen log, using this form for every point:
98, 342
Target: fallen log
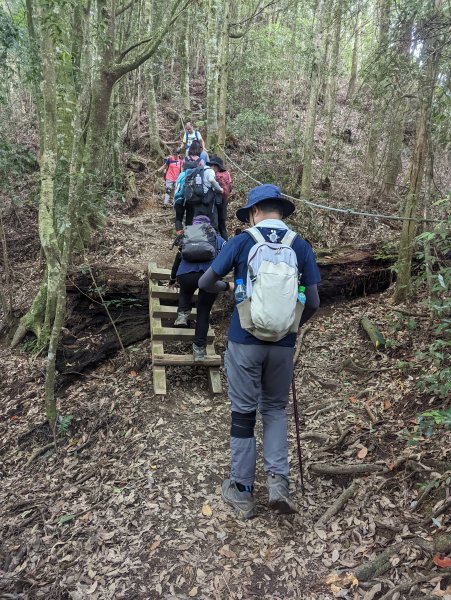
89, 336
349, 272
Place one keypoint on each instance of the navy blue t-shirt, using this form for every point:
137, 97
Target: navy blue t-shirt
190, 267
234, 256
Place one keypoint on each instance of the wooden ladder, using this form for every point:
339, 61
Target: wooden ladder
159, 334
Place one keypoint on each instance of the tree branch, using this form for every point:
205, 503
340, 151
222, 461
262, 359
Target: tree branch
124, 8
120, 69
248, 20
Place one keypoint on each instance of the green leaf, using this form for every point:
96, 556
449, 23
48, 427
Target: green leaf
66, 519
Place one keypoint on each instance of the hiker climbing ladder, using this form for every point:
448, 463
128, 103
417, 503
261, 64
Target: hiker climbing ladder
160, 333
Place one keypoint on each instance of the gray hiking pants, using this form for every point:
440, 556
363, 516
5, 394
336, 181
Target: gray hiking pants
259, 377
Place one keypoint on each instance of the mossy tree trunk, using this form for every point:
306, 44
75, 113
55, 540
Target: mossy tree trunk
432, 46
331, 90
154, 134
315, 83
293, 75
185, 62
224, 65
214, 7
68, 236
377, 109
355, 59
49, 153
392, 164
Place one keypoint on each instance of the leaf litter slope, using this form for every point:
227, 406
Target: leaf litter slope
130, 505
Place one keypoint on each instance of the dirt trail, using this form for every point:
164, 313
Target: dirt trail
130, 508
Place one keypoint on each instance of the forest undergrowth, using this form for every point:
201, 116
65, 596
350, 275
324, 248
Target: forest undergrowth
125, 502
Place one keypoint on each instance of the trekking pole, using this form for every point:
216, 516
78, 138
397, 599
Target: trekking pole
298, 438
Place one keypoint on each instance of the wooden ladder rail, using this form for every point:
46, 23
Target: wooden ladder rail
160, 333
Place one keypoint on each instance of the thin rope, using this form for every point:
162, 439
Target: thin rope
346, 211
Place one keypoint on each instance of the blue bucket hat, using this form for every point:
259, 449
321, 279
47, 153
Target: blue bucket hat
267, 191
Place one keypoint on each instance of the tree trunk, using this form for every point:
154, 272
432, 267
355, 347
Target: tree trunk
34, 60
393, 164
214, 8
223, 77
377, 106
291, 83
315, 83
185, 63
331, 93
354, 64
73, 201
154, 135
46, 220
431, 57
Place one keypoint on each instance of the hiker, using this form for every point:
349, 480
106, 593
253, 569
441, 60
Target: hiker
225, 181
172, 167
197, 153
194, 199
190, 135
198, 245
271, 260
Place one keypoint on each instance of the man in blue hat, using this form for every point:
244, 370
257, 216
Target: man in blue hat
259, 372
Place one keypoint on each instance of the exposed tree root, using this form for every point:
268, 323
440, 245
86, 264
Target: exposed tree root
331, 470
40, 451
321, 438
378, 566
402, 587
339, 503
344, 434
439, 511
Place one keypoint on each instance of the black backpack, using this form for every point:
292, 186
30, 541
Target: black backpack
199, 243
193, 189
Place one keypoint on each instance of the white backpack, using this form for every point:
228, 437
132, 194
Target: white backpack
271, 287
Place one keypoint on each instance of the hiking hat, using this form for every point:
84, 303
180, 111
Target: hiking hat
267, 191
216, 160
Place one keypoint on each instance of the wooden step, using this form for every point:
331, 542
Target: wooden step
214, 374
157, 273
166, 293
175, 360
180, 334
165, 312
159, 372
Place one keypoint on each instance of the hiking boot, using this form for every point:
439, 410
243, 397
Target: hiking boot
279, 495
182, 319
243, 502
199, 353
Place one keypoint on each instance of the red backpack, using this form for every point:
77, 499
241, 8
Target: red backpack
225, 181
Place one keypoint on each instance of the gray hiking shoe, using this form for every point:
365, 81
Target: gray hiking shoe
243, 502
182, 319
279, 495
199, 353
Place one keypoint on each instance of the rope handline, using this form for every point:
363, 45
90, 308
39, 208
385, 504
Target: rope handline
346, 211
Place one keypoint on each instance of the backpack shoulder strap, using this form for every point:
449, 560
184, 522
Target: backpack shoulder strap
255, 234
289, 238
196, 135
